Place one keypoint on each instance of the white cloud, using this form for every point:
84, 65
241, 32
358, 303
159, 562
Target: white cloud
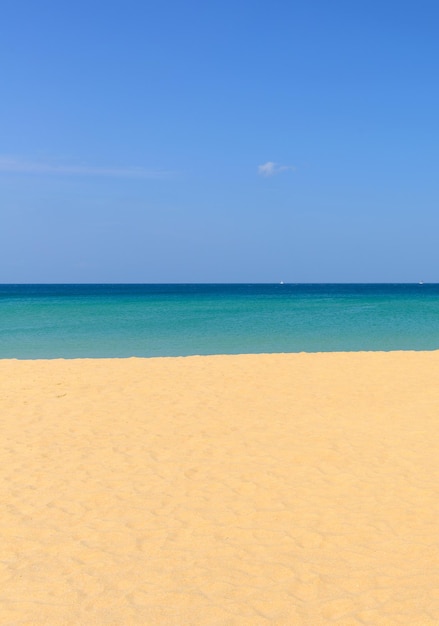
20, 166
270, 169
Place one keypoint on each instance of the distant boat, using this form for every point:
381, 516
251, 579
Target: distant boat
281, 282
421, 282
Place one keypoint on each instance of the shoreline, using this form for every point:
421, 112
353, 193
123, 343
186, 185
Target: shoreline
216, 355
274, 488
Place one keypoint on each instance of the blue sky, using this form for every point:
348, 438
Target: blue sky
219, 141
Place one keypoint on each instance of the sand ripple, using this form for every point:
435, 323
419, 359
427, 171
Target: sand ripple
247, 490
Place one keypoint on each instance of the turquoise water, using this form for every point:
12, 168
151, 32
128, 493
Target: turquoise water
50, 321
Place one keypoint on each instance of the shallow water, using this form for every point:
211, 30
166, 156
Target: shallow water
50, 321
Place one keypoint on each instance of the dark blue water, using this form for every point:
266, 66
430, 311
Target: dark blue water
49, 321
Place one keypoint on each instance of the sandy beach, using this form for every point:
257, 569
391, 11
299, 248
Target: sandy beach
295, 489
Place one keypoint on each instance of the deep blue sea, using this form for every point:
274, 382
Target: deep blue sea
69, 321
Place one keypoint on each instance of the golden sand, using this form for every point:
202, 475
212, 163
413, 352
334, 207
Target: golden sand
296, 489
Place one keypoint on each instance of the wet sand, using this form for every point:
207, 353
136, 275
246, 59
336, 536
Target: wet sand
297, 489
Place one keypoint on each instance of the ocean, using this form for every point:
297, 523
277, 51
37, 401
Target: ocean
122, 320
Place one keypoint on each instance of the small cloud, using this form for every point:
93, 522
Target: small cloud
20, 166
267, 169
270, 169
